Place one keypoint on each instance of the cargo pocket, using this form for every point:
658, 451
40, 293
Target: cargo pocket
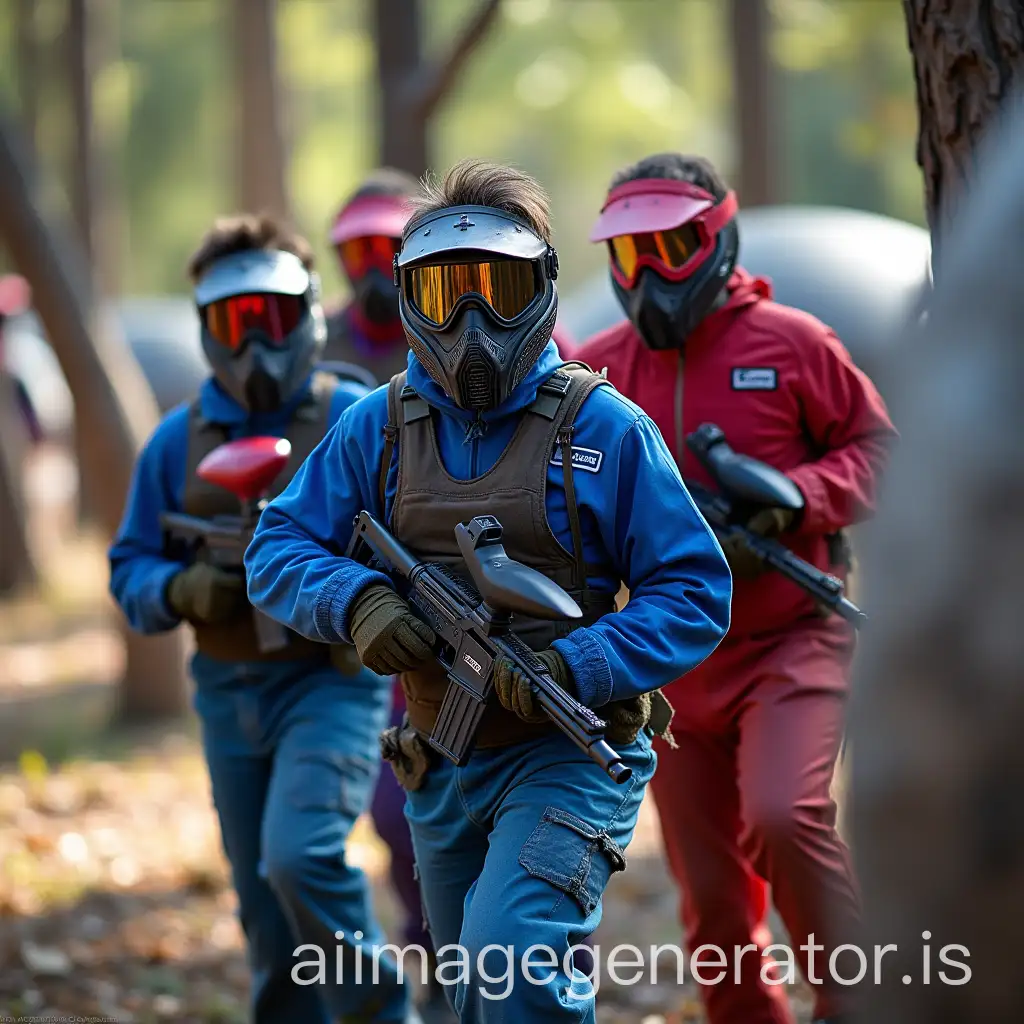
329, 781
571, 855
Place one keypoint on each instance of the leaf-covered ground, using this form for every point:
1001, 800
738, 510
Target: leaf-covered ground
114, 896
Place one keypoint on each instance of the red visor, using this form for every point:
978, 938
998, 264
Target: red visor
371, 215
370, 252
668, 225
274, 316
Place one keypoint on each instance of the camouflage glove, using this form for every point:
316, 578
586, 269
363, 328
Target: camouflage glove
769, 522
203, 593
514, 691
388, 636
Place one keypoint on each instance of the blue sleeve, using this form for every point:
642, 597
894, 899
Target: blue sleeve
139, 572
680, 586
347, 393
295, 568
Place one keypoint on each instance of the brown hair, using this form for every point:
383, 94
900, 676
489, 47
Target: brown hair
697, 170
384, 181
245, 232
482, 183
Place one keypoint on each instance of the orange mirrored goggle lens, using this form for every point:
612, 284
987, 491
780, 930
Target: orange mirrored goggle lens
508, 287
358, 255
673, 248
230, 320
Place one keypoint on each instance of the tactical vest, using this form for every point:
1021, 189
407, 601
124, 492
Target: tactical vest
429, 502
383, 363
236, 641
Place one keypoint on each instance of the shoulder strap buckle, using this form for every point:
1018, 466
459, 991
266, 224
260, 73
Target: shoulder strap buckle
550, 395
413, 407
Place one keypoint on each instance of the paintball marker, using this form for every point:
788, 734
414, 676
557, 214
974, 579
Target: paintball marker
473, 621
246, 467
747, 485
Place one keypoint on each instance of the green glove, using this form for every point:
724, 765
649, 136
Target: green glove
514, 691
770, 522
388, 636
203, 593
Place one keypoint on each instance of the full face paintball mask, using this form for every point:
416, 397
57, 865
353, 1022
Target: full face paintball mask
477, 299
263, 328
366, 235
672, 249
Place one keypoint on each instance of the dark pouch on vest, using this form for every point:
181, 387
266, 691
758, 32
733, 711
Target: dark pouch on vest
573, 856
407, 753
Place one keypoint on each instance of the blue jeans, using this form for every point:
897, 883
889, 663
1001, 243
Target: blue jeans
515, 850
293, 757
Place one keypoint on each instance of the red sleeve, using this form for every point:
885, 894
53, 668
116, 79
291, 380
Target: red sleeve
849, 426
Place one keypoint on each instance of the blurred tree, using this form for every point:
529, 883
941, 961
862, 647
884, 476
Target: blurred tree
17, 568
937, 712
27, 53
755, 103
114, 407
412, 86
967, 59
261, 147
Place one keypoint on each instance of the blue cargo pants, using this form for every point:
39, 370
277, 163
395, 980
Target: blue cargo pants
293, 757
515, 850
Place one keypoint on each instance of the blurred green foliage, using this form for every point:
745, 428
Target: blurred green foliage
568, 89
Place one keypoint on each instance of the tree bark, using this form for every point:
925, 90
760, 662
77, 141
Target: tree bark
938, 707
17, 568
754, 102
261, 145
80, 58
410, 86
403, 143
114, 408
968, 55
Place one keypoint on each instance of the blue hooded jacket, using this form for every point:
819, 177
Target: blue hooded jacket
639, 526
139, 570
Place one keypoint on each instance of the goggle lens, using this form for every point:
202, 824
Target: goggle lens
274, 316
673, 249
371, 252
507, 286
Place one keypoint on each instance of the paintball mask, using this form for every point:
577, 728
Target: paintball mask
263, 328
366, 235
477, 299
672, 249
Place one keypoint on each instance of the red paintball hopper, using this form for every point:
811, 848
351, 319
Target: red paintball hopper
246, 467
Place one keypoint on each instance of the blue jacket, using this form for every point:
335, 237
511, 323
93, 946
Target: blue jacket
139, 571
639, 525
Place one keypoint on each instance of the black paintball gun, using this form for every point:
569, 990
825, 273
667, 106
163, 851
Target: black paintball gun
472, 620
246, 467
747, 485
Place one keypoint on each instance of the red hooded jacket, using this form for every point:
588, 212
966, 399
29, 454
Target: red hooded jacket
784, 390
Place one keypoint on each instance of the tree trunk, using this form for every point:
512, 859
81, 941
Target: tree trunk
967, 57
80, 57
403, 141
261, 148
17, 568
754, 102
114, 407
938, 707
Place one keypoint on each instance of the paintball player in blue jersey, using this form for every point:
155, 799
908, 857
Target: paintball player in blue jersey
515, 847
290, 737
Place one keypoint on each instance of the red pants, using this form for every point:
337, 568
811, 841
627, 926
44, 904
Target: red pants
759, 726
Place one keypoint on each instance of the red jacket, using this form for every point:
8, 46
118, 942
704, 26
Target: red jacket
807, 411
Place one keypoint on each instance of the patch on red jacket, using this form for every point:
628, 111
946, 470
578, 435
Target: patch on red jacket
754, 378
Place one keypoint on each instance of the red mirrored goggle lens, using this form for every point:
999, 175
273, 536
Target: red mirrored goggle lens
671, 249
508, 287
372, 252
232, 319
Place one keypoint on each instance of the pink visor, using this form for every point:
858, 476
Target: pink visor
372, 215
653, 204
